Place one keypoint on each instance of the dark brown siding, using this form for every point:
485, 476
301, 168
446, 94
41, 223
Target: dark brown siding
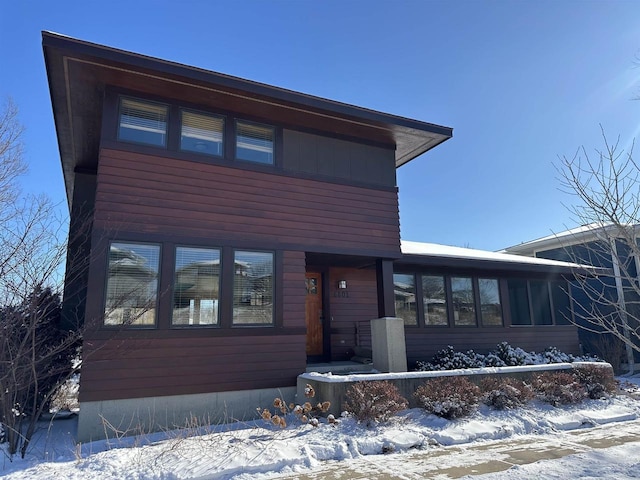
131, 368
422, 343
321, 155
156, 362
147, 194
348, 312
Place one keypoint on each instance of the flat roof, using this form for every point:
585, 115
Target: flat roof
78, 72
436, 255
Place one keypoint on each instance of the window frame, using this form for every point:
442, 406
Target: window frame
273, 129
274, 293
221, 290
500, 300
154, 326
417, 313
167, 132
203, 113
447, 300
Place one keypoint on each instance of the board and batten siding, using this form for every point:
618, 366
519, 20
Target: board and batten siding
150, 194
336, 158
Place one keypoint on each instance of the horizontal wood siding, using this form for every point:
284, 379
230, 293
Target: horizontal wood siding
423, 343
293, 289
148, 194
136, 368
347, 312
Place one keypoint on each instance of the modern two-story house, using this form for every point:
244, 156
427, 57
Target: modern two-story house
226, 235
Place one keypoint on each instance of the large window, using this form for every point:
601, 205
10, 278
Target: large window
519, 302
196, 286
490, 307
143, 122
561, 303
464, 310
434, 300
254, 142
540, 302
253, 288
202, 133
404, 287
132, 284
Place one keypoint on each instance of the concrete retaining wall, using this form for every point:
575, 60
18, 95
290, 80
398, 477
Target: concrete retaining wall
333, 388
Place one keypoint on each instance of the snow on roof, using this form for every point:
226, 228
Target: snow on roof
437, 250
589, 232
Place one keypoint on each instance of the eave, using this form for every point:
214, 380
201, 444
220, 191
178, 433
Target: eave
79, 71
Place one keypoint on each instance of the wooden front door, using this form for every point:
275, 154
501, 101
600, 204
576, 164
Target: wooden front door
313, 313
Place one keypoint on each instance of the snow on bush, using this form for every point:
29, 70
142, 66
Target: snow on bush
558, 388
374, 401
597, 381
505, 392
448, 397
503, 356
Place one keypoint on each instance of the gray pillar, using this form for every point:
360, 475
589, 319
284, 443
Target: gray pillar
388, 345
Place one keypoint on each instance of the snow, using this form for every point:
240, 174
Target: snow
358, 377
257, 450
434, 249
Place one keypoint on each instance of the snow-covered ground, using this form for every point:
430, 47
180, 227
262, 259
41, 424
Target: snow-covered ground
256, 450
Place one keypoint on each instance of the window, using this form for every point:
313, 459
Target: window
519, 302
143, 122
561, 303
202, 133
490, 308
196, 286
434, 300
254, 142
404, 287
253, 288
132, 284
464, 311
540, 302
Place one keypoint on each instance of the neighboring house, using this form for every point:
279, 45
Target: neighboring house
607, 248
227, 235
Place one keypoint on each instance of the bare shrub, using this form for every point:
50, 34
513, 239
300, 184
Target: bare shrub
558, 388
374, 401
448, 397
305, 413
598, 382
505, 392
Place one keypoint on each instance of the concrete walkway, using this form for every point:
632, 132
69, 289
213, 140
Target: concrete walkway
476, 458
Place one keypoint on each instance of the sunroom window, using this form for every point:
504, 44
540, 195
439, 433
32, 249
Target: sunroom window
254, 142
132, 284
143, 122
202, 133
404, 287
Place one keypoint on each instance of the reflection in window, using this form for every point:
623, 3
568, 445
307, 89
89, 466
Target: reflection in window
143, 122
404, 287
253, 288
434, 300
132, 284
540, 302
519, 302
201, 133
254, 142
196, 286
490, 308
561, 303
464, 311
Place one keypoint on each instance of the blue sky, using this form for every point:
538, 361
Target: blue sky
519, 82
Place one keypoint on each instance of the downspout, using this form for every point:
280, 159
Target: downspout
622, 305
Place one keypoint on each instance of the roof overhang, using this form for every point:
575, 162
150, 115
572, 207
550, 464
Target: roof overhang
436, 256
79, 71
